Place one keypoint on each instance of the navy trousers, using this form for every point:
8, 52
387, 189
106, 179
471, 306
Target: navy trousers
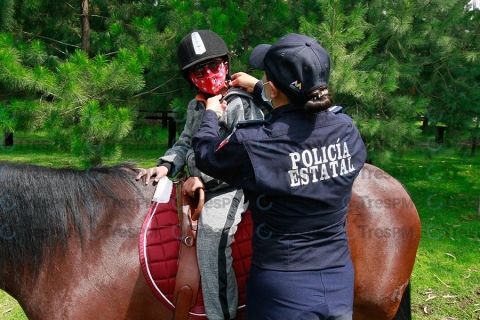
300, 295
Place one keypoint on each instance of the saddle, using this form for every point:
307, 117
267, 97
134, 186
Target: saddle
168, 253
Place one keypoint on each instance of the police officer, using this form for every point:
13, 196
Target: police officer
204, 61
297, 172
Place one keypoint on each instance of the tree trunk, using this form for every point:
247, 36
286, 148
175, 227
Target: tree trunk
246, 43
440, 134
474, 140
85, 27
424, 123
8, 139
478, 206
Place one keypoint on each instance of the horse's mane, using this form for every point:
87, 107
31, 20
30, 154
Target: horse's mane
40, 206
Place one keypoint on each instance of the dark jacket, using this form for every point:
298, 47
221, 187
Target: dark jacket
297, 173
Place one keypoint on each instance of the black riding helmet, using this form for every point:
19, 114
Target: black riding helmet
198, 46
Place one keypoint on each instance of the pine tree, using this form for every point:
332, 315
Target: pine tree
87, 101
390, 64
365, 72
450, 69
392, 61
6, 15
242, 24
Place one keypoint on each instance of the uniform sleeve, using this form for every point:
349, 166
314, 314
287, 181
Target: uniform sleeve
225, 159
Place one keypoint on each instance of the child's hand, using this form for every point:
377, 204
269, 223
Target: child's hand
156, 173
191, 185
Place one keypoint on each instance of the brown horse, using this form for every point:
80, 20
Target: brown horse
69, 243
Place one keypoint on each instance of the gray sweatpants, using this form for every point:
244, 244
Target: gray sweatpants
216, 228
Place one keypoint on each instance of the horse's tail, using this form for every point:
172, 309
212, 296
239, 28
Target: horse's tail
404, 311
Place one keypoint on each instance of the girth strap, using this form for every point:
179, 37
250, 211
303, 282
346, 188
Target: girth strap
187, 281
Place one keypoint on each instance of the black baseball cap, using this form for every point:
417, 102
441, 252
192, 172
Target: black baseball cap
296, 64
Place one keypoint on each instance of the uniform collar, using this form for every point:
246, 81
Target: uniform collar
285, 109
296, 111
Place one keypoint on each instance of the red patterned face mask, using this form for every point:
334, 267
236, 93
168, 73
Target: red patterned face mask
209, 77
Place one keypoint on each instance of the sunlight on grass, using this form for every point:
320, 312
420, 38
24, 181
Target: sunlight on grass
445, 190
36, 149
9, 308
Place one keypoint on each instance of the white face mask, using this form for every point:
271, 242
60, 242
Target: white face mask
264, 97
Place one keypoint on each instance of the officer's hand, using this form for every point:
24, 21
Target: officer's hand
157, 172
215, 105
244, 81
191, 185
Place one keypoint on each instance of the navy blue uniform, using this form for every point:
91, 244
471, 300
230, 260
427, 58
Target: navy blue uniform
297, 173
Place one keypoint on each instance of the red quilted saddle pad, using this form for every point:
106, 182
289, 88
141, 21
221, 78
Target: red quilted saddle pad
159, 244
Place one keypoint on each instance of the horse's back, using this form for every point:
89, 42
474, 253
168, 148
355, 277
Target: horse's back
384, 233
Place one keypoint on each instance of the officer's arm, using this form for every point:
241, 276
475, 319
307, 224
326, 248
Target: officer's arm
227, 159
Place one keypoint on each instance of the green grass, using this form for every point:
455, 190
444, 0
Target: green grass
443, 184
9, 308
35, 148
446, 278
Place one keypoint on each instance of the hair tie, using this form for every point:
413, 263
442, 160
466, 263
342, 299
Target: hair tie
319, 95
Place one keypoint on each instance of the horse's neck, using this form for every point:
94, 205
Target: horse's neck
111, 244
18, 282
115, 223
8, 282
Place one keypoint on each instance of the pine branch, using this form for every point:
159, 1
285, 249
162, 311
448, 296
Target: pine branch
435, 62
52, 46
170, 92
73, 109
68, 4
156, 88
111, 53
473, 38
437, 71
46, 38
